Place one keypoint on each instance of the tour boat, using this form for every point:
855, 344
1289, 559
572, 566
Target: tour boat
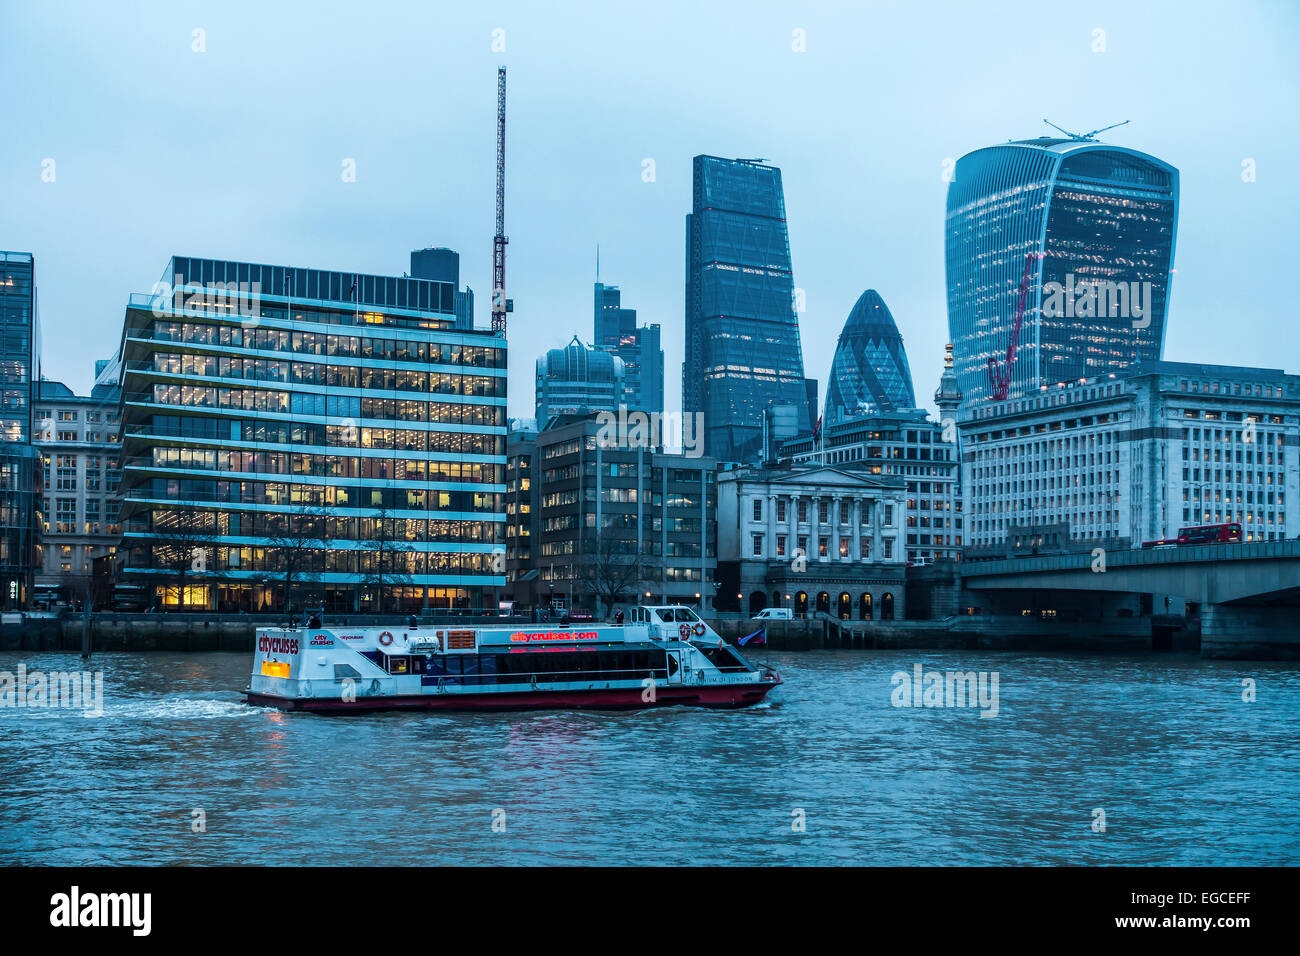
662, 655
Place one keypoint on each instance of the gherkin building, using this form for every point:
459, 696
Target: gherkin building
869, 372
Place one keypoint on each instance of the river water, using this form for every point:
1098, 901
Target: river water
827, 771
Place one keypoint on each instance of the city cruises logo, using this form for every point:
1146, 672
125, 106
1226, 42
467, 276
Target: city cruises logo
56, 690
924, 688
652, 430
277, 645
241, 299
1098, 298
532, 637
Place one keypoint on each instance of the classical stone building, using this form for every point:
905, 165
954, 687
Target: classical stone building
813, 539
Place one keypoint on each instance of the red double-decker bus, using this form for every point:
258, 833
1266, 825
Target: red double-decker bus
1210, 534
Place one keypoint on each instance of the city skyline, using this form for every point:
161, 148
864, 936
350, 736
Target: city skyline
861, 214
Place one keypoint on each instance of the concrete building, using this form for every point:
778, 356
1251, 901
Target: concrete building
1133, 457
816, 539
620, 521
522, 493
77, 436
907, 445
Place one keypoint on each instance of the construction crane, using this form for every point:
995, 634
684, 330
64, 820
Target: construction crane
1083, 137
500, 304
1000, 377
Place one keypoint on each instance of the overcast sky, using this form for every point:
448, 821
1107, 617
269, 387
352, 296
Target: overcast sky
236, 152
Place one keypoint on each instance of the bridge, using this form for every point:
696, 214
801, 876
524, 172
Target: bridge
1249, 593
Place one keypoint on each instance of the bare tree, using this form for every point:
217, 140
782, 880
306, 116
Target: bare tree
295, 543
610, 568
184, 546
385, 556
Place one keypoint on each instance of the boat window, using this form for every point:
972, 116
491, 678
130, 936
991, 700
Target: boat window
346, 672
399, 665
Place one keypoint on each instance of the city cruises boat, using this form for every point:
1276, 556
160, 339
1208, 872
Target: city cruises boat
661, 656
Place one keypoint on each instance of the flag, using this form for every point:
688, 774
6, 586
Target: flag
758, 637
817, 429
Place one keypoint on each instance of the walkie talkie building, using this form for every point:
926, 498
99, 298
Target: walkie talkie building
742, 333
1059, 255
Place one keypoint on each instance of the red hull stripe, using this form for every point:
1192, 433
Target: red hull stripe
621, 698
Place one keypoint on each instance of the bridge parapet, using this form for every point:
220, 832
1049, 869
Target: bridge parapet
1135, 558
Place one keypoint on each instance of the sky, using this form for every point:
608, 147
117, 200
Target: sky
230, 142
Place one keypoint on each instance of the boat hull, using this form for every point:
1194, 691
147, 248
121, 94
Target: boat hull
724, 696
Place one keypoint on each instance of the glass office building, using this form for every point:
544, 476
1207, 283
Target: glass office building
19, 471
578, 379
638, 346
742, 332
299, 436
869, 372
1095, 224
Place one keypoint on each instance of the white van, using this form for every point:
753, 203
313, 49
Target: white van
775, 614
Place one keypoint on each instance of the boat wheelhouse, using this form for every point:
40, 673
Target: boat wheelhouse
661, 655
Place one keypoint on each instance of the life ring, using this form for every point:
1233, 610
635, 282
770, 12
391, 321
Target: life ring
685, 631
386, 638
699, 629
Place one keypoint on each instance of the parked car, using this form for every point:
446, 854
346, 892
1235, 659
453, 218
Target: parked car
774, 614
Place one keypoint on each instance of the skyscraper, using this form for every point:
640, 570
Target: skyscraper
1086, 230
638, 346
742, 333
443, 265
869, 372
576, 380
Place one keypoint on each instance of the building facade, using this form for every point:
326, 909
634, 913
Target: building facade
814, 539
1087, 231
908, 446
77, 436
522, 494
742, 333
441, 264
621, 522
869, 372
576, 380
20, 489
638, 346
1129, 458
295, 436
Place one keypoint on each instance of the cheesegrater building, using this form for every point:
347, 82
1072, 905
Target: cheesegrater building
1094, 222
300, 436
742, 333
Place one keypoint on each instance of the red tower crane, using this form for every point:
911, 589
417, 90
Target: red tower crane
1000, 377
500, 304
